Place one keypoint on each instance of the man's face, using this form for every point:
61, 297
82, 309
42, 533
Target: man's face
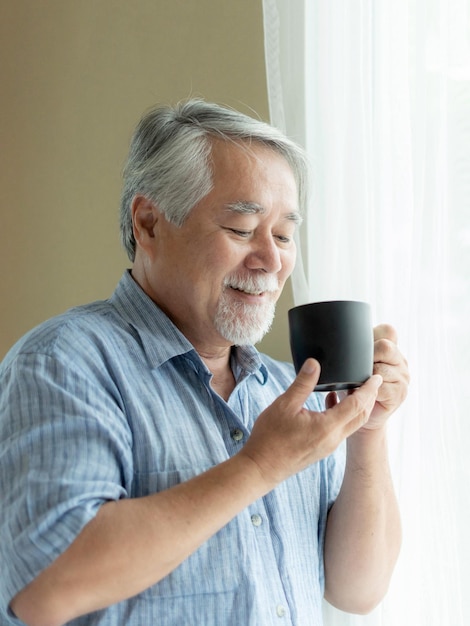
219, 275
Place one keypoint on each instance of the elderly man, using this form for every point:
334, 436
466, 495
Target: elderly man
155, 467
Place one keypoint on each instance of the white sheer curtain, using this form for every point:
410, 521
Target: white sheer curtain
378, 91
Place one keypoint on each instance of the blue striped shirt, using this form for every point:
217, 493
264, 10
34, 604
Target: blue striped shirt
111, 401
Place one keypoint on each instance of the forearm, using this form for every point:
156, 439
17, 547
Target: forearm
364, 532
132, 544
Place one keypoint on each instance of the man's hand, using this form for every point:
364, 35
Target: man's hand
393, 367
363, 533
287, 438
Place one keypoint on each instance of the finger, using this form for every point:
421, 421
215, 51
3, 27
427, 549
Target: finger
303, 385
389, 371
356, 407
335, 397
396, 382
386, 351
392, 366
385, 331
331, 400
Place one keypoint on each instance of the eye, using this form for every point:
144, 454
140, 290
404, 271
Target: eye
240, 233
283, 238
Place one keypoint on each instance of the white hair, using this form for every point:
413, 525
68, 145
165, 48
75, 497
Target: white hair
169, 158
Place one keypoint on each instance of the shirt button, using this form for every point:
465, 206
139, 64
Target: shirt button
256, 520
280, 611
237, 434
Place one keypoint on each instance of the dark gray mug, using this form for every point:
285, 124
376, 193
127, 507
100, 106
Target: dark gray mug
339, 335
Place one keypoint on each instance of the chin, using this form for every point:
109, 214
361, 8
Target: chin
244, 325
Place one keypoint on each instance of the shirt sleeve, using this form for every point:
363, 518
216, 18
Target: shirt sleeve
335, 463
65, 449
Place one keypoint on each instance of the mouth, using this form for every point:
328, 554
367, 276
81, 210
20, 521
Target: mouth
252, 288
248, 292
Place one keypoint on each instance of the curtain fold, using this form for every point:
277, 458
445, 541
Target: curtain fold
379, 95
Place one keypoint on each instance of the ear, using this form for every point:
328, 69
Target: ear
144, 218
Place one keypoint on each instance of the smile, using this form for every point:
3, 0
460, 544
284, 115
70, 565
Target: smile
249, 293
256, 287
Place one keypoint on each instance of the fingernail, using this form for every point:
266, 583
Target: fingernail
309, 366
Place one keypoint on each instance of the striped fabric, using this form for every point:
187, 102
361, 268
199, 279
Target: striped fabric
110, 401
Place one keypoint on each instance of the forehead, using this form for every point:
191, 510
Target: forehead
226, 151
248, 172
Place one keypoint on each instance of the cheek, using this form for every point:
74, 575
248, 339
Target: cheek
206, 271
288, 263
199, 261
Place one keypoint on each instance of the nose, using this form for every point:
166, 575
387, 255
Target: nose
264, 255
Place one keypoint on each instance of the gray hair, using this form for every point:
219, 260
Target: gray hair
169, 158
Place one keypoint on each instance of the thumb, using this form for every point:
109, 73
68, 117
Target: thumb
304, 383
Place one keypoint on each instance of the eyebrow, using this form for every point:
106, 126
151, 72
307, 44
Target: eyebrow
246, 208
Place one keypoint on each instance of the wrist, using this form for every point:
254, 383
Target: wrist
369, 436
261, 477
367, 446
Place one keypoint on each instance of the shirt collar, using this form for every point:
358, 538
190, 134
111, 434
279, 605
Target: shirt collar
160, 338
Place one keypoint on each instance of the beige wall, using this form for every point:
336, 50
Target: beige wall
75, 77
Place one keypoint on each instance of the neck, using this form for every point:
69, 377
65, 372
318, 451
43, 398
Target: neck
216, 357
223, 381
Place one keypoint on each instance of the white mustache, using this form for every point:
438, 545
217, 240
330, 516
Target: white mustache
253, 284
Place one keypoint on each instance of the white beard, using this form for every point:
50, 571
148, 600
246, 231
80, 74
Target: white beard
242, 323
